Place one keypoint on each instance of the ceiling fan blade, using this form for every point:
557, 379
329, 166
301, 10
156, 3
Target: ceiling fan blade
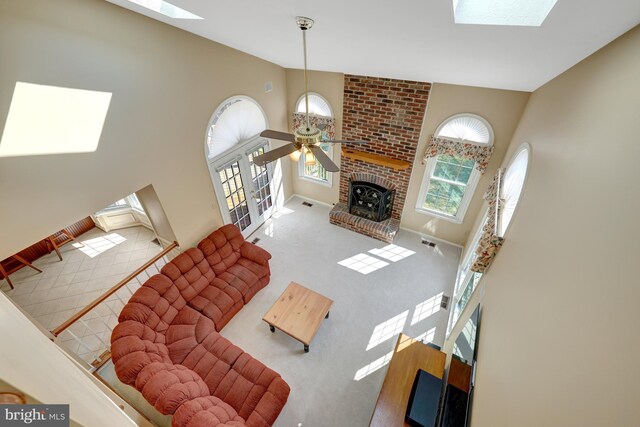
274, 134
274, 155
324, 160
342, 141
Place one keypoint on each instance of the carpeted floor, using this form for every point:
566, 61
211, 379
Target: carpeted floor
337, 383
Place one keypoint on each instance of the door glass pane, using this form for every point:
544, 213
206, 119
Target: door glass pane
235, 196
260, 182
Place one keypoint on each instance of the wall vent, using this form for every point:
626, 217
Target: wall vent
256, 240
444, 302
428, 243
307, 204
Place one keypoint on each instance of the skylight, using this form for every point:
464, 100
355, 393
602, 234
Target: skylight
502, 12
53, 120
166, 9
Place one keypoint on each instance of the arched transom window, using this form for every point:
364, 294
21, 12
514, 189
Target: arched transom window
512, 184
236, 120
318, 105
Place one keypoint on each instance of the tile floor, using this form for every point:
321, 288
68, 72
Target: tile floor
86, 271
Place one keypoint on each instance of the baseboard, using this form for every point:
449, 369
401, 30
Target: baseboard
430, 237
289, 199
309, 199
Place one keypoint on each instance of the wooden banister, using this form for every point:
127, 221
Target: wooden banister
73, 319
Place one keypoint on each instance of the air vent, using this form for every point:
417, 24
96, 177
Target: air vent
256, 240
307, 204
444, 302
428, 243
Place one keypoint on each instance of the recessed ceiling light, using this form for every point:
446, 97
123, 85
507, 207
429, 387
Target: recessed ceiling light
530, 13
166, 9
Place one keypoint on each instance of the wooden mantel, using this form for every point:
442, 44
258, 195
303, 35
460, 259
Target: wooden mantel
375, 159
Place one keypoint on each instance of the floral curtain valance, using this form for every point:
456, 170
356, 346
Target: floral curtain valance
490, 243
326, 124
478, 153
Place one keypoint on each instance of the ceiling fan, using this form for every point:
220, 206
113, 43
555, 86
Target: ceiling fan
306, 137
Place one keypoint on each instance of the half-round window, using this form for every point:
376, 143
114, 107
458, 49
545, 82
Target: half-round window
466, 127
236, 120
512, 184
317, 105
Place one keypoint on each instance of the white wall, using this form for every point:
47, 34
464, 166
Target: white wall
26, 362
559, 337
165, 82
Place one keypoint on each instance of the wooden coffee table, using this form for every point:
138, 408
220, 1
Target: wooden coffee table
298, 312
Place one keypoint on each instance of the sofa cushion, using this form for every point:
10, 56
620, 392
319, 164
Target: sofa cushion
206, 412
219, 302
188, 330
133, 346
231, 374
259, 270
190, 272
155, 304
167, 386
222, 247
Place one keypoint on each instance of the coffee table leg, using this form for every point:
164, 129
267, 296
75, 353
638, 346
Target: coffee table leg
306, 348
327, 316
273, 328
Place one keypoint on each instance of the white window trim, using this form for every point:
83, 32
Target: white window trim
472, 183
459, 288
466, 199
301, 175
469, 254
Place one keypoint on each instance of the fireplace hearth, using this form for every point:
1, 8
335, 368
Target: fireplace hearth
370, 201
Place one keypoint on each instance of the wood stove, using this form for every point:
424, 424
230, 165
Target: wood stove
370, 201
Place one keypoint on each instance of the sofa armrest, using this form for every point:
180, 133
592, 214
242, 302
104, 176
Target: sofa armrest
255, 253
270, 404
167, 386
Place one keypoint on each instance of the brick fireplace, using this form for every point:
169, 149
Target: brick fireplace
388, 114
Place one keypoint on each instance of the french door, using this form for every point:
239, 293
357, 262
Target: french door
244, 189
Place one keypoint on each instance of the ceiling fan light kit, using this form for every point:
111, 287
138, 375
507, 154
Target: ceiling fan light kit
306, 137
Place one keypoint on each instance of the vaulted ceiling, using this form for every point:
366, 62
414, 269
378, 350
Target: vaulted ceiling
410, 39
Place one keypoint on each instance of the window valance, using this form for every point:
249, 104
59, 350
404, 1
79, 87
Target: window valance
326, 124
481, 154
490, 243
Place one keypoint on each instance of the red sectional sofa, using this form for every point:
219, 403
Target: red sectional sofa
167, 344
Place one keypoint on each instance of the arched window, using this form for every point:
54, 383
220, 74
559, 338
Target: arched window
244, 190
512, 185
236, 120
320, 112
452, 174
318, 105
